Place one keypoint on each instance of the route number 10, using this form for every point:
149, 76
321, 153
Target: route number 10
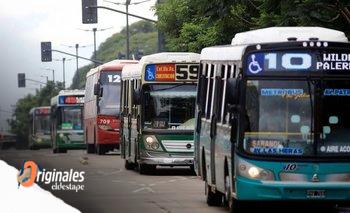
296, 61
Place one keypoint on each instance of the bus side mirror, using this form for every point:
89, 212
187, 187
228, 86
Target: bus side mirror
232, 91
137, 97
97, 89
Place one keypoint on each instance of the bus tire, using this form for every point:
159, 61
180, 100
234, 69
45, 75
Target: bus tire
128, 165
54, 150
60, 150
146, 168
213, 198
90, 148
100, 149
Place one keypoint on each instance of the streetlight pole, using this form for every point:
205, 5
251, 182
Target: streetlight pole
95, 54
64, 71
127, 29
76, 53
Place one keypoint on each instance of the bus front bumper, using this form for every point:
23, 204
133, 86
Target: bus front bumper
176, 161
277, 190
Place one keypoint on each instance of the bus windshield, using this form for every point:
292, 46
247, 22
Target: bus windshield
279, 118
169, 106
110, 99
334, 117
71, 118
42, 124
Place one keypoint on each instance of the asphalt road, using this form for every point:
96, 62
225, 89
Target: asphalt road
111, 188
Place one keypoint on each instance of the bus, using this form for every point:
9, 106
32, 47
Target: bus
158, 102
67, 121
101, 107
39, 128
272, 117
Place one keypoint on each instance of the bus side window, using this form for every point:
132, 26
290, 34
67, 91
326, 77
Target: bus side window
232, 70
202, 89
126, 97
221, 93
210, 76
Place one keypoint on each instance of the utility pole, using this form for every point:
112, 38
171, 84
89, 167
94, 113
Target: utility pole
64, 69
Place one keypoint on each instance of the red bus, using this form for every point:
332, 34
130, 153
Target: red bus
101, 106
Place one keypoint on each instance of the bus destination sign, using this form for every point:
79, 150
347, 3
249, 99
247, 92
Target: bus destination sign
171, 72
292, 61
71, 99
42, 111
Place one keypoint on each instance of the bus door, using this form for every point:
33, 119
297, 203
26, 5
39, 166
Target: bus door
211, 111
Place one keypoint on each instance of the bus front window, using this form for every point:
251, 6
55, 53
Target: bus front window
278, 118
170, 106
42, 124
110, 99
72, 118
335, 126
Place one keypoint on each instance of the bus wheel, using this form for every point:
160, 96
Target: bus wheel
60, 150
128, 165
146, 169
54, 150
100, 149
90, 148
213, 198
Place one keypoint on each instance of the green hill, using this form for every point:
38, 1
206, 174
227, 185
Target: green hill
143, 39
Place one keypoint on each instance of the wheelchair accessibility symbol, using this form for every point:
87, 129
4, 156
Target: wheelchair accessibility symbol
150, 73
255, 63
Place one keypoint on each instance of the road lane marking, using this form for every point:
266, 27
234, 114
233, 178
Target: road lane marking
149, 189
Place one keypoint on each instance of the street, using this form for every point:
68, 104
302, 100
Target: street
109, 187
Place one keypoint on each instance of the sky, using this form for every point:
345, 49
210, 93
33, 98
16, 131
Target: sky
26, 23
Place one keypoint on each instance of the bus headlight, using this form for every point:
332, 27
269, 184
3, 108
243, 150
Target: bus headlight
251, 171
151, 143
61, 135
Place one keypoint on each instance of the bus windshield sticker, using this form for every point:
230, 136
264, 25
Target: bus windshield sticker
285, 93
258, 63
336, 92
334, 149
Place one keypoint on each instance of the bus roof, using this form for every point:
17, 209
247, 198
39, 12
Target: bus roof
170, 57
111, 66
41, 107
269, 35
131, 71
54, 100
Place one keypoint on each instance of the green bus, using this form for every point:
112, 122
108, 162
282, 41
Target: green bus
158, 100
67, 121
39, 128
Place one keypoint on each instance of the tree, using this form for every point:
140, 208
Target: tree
190, 25
20, 123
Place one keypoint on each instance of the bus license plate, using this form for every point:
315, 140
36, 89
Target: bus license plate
314, 194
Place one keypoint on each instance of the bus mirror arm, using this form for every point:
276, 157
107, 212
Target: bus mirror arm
137, 97
97, 89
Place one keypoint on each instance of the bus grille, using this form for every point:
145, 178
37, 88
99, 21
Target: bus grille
178, 146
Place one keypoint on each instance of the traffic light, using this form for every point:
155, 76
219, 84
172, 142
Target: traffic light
21, 80
46, 52
89, 13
